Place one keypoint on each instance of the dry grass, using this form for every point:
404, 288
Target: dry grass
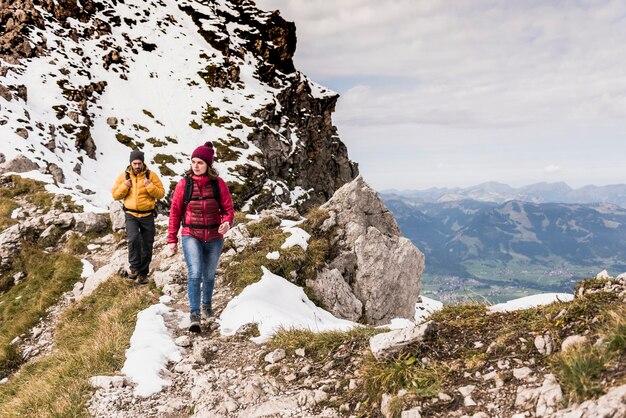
91, 338
23, 305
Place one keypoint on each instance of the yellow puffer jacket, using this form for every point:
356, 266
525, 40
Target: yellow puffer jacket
139, 197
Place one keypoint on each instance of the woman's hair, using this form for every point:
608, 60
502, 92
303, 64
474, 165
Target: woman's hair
211, 172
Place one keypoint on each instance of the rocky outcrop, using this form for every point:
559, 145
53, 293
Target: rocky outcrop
20, 17
19, 164
373, 272
310, 148
390, 343
297, 157
305, 152
613, 404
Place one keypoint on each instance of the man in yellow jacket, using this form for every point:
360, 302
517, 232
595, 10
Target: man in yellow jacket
139, 188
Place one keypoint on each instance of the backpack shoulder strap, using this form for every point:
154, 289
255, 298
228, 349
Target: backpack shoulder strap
188, 193
216, 193
127, 175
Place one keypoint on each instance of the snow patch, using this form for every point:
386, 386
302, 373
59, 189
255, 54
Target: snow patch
531, 302
298, 237
88, 269
274, 303
151, 348
274, 255
426, 307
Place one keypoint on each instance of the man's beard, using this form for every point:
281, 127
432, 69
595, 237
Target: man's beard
137, 170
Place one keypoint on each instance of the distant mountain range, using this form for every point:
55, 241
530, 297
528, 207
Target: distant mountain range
535, 193
458, 235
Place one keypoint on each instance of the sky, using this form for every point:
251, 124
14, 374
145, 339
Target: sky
455, 93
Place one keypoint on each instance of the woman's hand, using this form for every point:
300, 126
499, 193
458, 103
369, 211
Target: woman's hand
173, 248
224, 228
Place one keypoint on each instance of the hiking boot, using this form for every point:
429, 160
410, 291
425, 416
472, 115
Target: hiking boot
194, 321
132, 275
142, 279
207, 311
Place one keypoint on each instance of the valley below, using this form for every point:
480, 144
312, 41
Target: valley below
480, 246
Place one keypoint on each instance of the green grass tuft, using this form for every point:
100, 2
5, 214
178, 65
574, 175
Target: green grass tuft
7, 206
402, 372
579, 369
319, 344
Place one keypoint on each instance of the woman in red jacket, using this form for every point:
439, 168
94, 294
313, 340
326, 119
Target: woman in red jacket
206, 217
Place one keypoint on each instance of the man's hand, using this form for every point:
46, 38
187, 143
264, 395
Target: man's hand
173, 248
223, 228
128, 183
146, 182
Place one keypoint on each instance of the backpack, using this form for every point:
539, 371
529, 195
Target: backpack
153, 211
187, 197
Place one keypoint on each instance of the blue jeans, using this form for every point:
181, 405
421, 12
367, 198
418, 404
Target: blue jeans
201, 258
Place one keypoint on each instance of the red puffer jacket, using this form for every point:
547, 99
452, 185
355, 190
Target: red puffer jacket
202, 210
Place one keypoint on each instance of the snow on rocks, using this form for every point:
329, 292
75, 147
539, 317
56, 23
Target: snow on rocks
424, 307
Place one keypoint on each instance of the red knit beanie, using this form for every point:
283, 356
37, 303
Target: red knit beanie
204, 152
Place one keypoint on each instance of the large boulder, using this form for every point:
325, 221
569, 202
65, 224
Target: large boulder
19, 164
374, 273
118, 221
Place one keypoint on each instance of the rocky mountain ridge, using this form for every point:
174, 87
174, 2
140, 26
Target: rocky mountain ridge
83, 85
534, 193
541, 234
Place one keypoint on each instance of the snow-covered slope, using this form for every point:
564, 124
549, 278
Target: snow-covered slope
166, 76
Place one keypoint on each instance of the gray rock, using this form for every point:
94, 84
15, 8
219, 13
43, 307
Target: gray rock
550, 397
117, 216
116, 265
387, 344
56, 172
183, 341
412, 413
20, 164
381, 268
331, 287
467, 390
613, 404
522, 373
91, 222
106, 382
275, 356
572, 341
201, 352
525, 397
544, 344
11, 241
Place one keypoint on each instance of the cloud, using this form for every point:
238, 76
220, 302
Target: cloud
552, 169
473, 77
479, 62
